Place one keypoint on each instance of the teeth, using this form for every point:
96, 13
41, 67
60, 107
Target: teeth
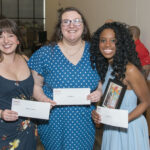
7, 46
72, 31
107, 50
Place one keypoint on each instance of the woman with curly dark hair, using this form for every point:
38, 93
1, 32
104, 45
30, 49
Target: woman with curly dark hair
113, 55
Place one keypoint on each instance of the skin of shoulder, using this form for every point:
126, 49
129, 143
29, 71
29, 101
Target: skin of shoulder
133, 75
25, 57
130, 69
136, 82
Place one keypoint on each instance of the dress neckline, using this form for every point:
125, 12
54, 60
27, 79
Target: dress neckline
68, 59
15, 80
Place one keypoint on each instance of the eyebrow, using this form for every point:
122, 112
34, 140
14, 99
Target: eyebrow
109, 38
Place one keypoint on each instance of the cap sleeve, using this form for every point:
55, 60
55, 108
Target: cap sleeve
37, 60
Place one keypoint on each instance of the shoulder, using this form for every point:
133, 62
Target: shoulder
132, 72
139, 44
44, 51
25, 57
87, 44
131, 69
22, 57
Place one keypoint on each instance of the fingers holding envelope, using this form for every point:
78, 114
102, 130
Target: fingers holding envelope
96, 117
94, 96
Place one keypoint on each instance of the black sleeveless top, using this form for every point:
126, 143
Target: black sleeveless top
19, 134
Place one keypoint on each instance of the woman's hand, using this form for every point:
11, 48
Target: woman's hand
9, 115
96, 117
38, 92
95, 96
46, 99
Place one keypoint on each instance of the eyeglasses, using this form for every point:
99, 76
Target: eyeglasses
67, 22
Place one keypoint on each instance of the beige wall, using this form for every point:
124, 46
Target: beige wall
132, 12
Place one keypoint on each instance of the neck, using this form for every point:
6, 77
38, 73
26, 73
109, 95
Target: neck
72, 49
135, 38
110, 61
72, 46
72, 43
9, 59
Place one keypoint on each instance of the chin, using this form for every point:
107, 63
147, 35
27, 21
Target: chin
9, 52
74, 40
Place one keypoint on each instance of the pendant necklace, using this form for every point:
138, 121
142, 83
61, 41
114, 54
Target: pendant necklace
17, 83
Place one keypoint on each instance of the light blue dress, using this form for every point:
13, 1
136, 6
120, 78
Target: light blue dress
69, 127
133, 138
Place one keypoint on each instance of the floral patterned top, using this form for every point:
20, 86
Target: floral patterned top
20, 134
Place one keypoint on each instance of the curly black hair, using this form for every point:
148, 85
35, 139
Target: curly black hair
125, 51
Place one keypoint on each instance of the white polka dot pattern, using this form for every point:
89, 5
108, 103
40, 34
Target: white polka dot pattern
69, 127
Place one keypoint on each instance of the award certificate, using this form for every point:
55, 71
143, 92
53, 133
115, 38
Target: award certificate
31, 109
71, 96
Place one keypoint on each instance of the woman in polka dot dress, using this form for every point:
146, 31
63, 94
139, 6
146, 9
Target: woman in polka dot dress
65, 63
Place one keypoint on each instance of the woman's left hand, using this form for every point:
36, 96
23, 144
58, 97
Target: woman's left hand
95, 96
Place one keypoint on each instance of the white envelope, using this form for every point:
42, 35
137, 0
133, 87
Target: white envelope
31, 109
113, 117
71, 96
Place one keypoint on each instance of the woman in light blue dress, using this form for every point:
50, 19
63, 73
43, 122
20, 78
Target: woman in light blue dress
65, 63
113, 53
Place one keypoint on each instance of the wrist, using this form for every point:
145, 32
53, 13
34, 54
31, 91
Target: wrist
99, 89
43, 98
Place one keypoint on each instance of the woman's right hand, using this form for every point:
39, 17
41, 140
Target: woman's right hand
38, 92
96, 117
9, 115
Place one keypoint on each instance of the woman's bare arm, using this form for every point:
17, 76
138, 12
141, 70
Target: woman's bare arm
137, 82
38, 93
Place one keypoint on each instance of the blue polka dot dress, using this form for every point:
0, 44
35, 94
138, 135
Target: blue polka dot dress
69, 127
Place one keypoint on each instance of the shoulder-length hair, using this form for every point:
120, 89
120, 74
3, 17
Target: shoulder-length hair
125, 51
10, 26
57, 35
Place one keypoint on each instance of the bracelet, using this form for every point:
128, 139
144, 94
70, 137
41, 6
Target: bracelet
1, 114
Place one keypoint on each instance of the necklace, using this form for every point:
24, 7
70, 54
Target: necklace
17, 83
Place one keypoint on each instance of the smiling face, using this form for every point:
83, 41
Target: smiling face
72, 31
8, 43
107, 44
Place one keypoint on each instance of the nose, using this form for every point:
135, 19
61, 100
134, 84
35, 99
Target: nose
108, 43
5, 39
71, 24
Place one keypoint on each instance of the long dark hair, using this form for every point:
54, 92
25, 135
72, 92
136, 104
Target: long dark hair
125, 51
57, 35
10, 26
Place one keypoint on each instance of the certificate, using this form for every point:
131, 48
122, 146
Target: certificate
113, 117
71, 96
31, 109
